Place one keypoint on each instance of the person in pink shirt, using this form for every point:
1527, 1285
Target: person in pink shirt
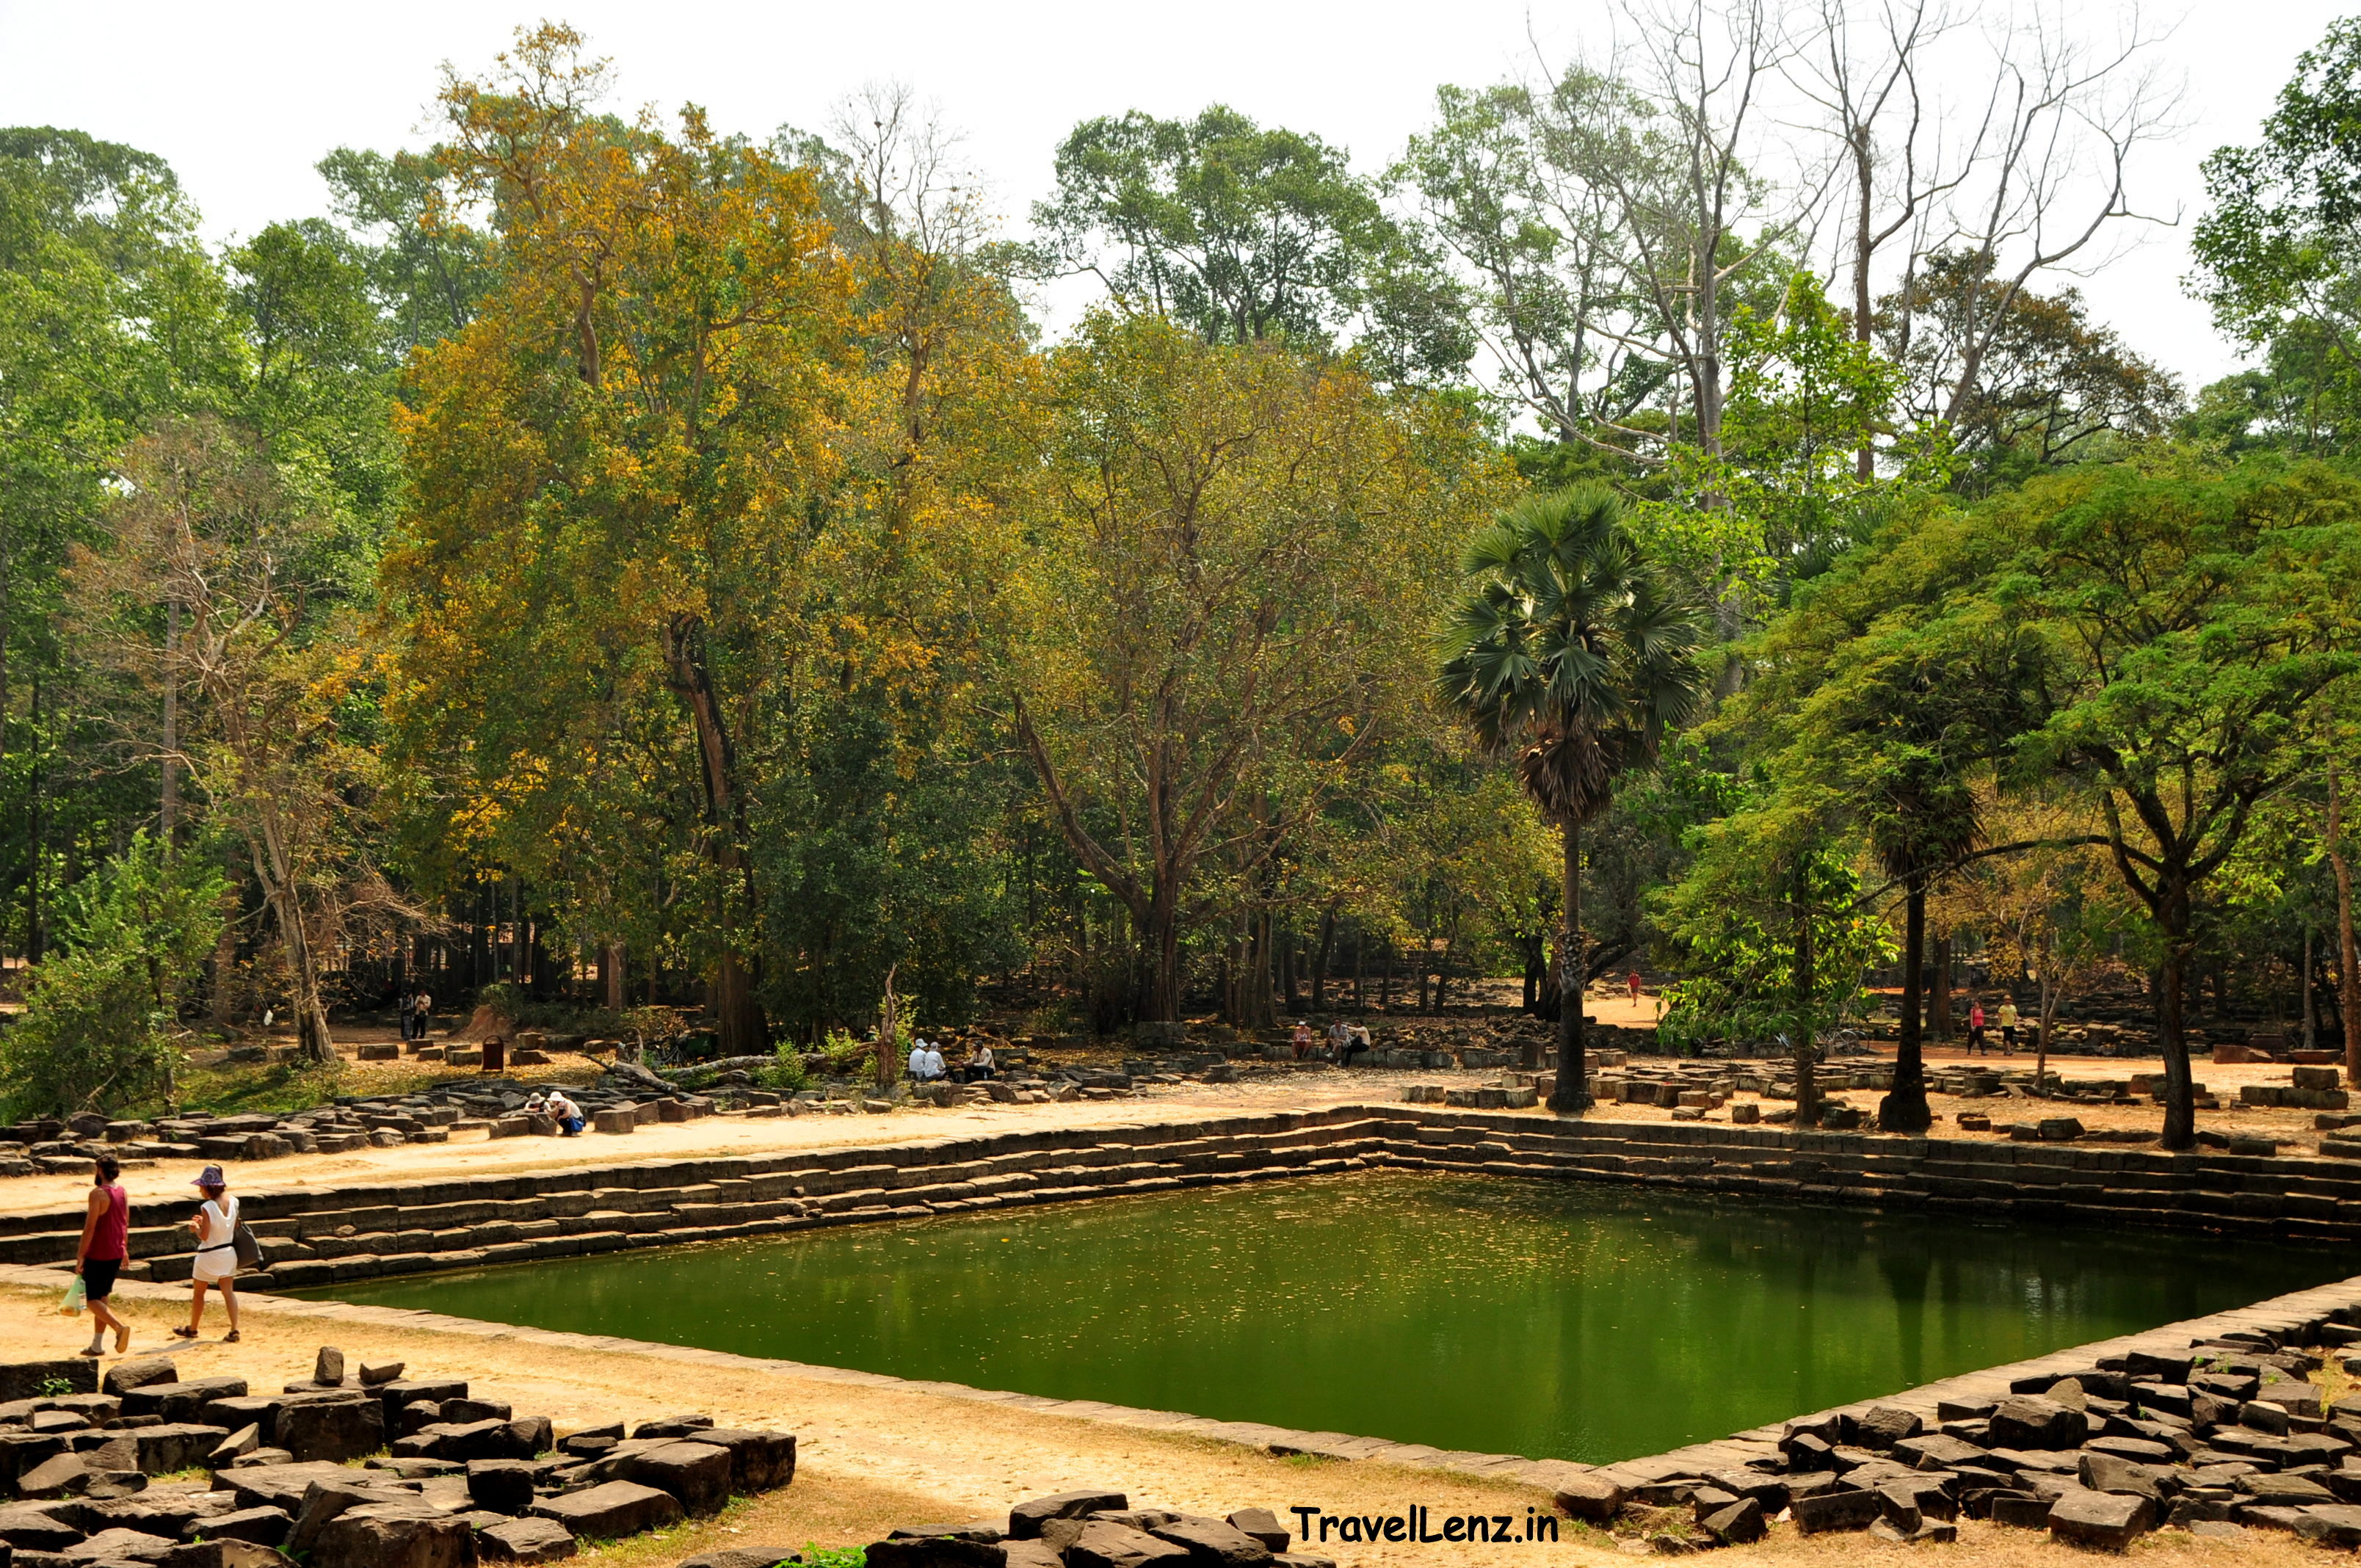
1976, 1029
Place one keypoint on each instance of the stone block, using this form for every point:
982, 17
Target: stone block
2103, 1471
1880, 1427
1739, 1523
1211, 1542
612, 1510
935, 1551
224, 1551
758, 1461
31, 1380
623, 1120
183, 1400
395, 1535
1837, 1511
696, 1473
740, 1557
2335, 1525
2319, 1078
2029, 1421
1592, 1499
1263, 1525
331, 1430
120, 1546
161, 1449
534, 1540
1025, 1519
2106, 1521
125, 1376
503, 1486
1103, 1544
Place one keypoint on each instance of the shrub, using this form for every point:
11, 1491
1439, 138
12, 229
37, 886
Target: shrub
788, 1072
98, 1027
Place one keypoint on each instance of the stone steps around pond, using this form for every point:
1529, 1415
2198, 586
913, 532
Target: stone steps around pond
318, 1236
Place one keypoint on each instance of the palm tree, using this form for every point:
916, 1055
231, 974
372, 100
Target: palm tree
1565, 649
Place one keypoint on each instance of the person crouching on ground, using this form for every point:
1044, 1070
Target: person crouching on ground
216, 1227
565, 1113
106, 1238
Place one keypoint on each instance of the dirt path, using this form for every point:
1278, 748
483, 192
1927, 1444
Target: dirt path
473, 1154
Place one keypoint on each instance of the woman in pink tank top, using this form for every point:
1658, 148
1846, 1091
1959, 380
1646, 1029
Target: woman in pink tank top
106, 1242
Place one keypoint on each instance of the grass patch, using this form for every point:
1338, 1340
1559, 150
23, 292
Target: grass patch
279, 1089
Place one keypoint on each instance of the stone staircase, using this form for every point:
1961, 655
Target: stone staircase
316, 1236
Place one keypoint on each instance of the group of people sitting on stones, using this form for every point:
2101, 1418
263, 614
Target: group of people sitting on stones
1343, 1042
926, 1066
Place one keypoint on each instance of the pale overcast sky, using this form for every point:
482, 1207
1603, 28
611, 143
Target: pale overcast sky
244, 98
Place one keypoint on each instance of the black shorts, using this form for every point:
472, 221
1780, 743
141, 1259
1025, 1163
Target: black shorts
98, 1276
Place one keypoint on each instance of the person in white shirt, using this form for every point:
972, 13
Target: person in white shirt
979, 1062
935, 1067
565, 1113
917, 1063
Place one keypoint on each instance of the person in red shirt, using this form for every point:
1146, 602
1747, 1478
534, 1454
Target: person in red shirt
106, 1240
1976, 1029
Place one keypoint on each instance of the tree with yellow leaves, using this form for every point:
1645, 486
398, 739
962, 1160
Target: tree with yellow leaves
1232, 555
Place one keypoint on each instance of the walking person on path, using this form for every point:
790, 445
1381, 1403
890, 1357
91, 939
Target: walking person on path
1976, 1029
216, 1227
422, 1011
409, 1002
106, 1242
2008, 1026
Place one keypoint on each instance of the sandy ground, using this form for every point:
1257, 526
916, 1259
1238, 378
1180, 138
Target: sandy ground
473, 1154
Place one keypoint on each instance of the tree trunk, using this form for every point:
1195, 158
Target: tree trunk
167, 814
1160, 991
1905, 1108
33, 934
2179, 1096
2349, 952
1360, 965
1939, 996
313, 1041
1320, 958
1572, 1093
1806, 1043
2310, 1013
743, 1029
610, 972
1386, 980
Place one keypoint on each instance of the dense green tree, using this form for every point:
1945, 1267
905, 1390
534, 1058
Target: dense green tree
2278, 252
1236, 231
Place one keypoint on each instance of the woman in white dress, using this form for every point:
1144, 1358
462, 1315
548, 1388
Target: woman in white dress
216, 1227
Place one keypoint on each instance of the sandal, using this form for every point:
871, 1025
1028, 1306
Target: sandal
123, 1340
184, 1333
230, 1338
92, 1353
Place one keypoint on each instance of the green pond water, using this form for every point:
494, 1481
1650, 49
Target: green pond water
1537, 1318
